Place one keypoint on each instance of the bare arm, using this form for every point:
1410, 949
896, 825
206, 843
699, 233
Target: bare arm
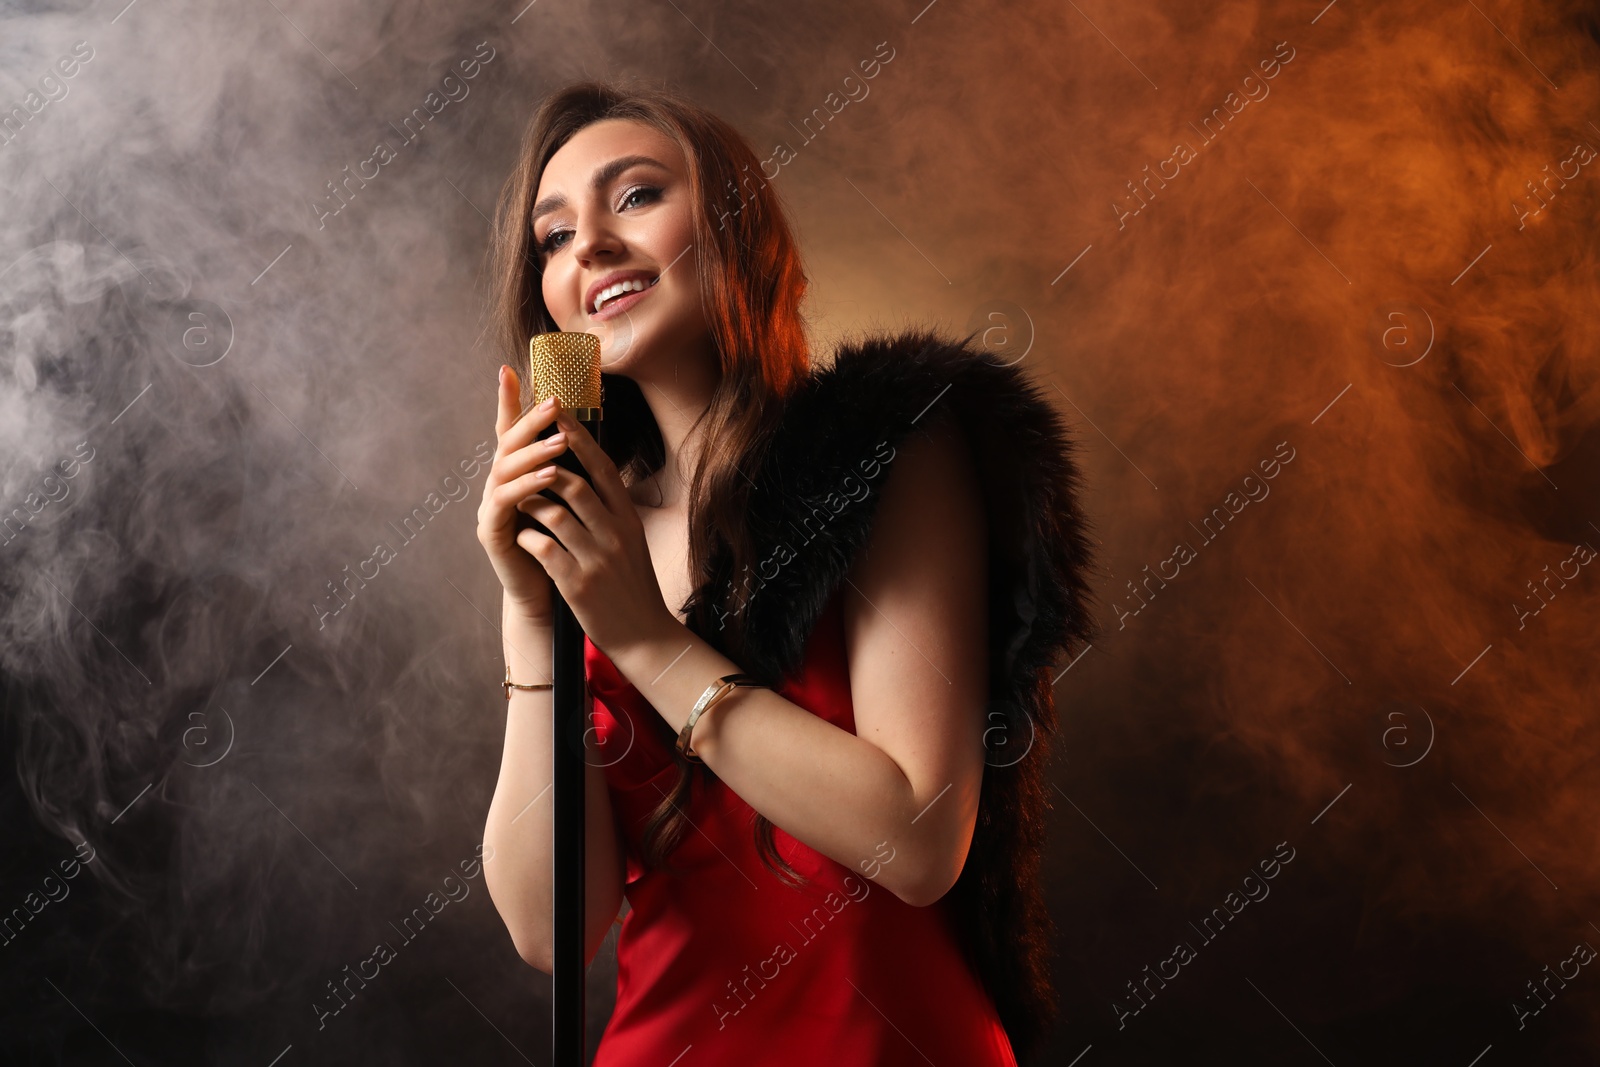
916, 627
520, 826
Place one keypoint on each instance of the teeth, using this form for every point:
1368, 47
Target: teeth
633, 285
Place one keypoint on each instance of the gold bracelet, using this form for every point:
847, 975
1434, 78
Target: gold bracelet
508, 685
714, 692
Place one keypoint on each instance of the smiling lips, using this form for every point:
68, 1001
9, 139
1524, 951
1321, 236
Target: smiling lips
621, 293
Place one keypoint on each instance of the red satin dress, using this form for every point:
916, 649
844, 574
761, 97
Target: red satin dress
723, 964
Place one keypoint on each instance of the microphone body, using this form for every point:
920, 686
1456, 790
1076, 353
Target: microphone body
567, 365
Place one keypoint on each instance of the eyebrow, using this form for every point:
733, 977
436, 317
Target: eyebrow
602, 177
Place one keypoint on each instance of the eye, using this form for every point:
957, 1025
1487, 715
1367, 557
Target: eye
644, 193
649, 192
549, 244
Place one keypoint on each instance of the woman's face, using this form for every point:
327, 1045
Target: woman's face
614, 205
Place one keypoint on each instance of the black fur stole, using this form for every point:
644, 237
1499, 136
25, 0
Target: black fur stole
811, 511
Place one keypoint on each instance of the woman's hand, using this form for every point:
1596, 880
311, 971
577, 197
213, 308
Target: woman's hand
599, 557
513, 476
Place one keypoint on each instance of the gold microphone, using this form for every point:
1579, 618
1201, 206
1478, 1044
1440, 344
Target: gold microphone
566, 365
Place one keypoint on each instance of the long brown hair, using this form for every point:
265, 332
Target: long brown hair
751, 285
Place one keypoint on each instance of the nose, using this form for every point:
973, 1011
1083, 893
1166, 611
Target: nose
593, 237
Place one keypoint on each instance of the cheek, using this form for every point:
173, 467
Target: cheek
558, 298
680, 237
678, 244
681, 311
667, 233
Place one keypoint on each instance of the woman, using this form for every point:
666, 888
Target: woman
842, 859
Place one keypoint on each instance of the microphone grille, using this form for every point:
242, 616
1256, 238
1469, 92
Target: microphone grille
566, 364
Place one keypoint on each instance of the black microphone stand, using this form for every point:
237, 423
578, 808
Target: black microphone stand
567, 365
569, 788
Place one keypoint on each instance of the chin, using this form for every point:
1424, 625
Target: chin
620, 349
638, 343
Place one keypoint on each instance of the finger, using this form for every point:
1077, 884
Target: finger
597, 520
514, 428
567, 528
540, 452
512, 493
556, 561
607, 479
514, 477
505, 400
528, 425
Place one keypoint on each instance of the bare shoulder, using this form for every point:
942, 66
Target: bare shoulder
930, 516
916, 609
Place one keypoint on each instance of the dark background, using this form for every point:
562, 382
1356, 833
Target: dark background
1382, 258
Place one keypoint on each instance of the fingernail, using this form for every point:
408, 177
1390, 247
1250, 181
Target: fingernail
556, 439
547, 403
